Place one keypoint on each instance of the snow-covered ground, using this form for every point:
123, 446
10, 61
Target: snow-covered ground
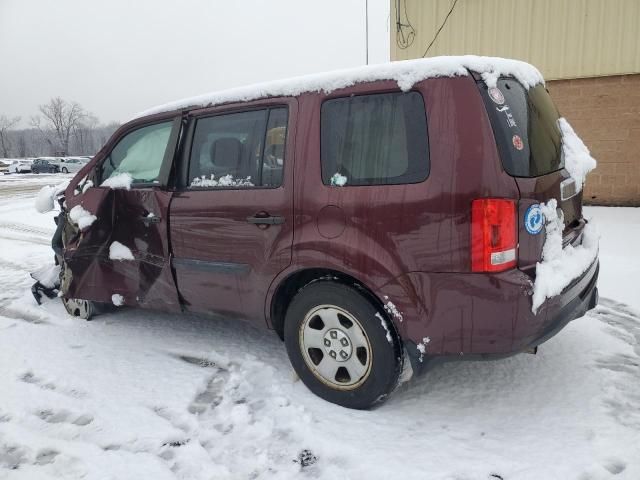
139, 395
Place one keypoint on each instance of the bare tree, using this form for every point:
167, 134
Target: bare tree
22, 145
63, 117
84, 132
43, 138
6, 124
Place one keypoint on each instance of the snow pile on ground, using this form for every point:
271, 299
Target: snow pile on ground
560, 266
224, 181
118, 251
81, 217
406, 73
121, 180
117, 299
619, 258
46, 196
47, 275
577, 158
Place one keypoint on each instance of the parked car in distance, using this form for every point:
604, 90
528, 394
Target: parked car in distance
377, 219
44, 165
20, 166
71, 164
4, 166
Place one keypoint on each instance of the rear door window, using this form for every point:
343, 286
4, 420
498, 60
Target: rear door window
525, 125
378, 139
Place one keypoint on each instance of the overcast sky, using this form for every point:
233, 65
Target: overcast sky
117, 57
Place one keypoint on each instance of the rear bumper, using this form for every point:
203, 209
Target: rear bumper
475, 316
576, 307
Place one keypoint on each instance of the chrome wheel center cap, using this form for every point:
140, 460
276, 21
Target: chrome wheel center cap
337, 345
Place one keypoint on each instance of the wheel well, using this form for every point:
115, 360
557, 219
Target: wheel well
294, 282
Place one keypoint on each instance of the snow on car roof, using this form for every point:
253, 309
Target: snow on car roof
406, 73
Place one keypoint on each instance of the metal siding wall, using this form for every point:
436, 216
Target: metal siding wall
563, 38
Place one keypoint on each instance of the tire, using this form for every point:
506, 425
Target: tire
84, 309
64, 170
352, 360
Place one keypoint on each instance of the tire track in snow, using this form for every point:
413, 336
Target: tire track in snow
25, 233
241, 422
623, 318
8, 264
19, 238
624, 368
23, 315
21, 227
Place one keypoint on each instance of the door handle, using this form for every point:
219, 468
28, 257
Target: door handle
262, 219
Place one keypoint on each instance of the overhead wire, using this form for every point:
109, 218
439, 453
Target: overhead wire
444, 22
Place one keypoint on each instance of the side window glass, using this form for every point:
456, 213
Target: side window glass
376, 139
275, 142
239, 150
139, 153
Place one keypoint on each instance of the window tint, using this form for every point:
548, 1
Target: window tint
525, 124
374, 140
545, 138
139, 153
243, 149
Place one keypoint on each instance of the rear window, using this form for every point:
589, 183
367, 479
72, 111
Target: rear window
525, 124
376, 139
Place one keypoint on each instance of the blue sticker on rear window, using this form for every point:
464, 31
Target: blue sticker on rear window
534, 219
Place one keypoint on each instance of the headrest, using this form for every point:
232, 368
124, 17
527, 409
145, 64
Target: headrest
225, 152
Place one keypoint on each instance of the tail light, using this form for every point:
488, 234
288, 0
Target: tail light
493, 235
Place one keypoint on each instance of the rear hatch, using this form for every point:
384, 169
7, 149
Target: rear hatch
525, 125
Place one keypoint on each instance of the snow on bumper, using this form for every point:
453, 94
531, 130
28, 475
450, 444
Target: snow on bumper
561, 266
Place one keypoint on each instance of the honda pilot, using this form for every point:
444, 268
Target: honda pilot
376, 219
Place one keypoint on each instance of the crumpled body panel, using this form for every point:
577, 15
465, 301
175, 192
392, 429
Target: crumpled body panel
136, 219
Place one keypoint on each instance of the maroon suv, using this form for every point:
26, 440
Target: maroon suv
376, 219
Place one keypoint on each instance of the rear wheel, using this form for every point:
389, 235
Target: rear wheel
339, 347
76, 307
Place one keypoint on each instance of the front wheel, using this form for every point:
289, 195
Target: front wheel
84, 309
342, 346
64, 170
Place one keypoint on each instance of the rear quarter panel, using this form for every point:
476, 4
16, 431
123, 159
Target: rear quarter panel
380, 233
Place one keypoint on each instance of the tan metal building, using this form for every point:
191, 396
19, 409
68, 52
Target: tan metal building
588, 50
